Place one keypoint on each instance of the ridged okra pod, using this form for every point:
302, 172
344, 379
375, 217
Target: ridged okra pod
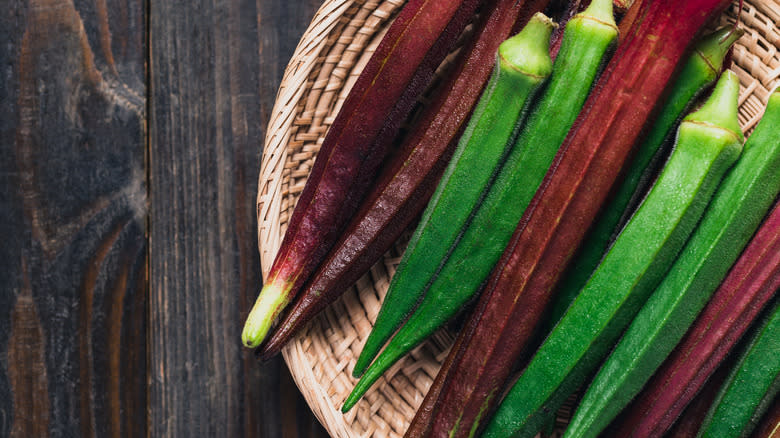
633, 267
752, 384
500, 327
699, 73
410, 177
733, 216
689, 370
522, 65
357, 142
586, 41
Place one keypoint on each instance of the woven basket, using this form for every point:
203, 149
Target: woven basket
328, 59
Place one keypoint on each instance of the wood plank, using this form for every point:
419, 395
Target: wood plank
215, 69
72, 219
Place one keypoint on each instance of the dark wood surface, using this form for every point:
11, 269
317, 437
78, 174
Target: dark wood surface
130, 137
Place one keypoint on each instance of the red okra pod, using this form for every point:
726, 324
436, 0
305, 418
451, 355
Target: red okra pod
356, 144
406, 185
751, 283
574, 189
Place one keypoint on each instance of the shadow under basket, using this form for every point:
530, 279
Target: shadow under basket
326, 63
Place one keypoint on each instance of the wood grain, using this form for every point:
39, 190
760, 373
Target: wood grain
128, 257
215, 67
73, 206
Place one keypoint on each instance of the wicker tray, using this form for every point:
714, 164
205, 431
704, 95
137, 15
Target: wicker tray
330, 55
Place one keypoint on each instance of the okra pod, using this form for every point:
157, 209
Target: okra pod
740, 203
407, 183
464, 183
510, 307
587, 40
357, 142
751, 386
698, 74
749, 286
689, 421
522, 66
707, 145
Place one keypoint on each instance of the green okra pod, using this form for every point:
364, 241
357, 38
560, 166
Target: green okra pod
707, 146
587, 39
523, 63
699, 73
751, 386
740, 203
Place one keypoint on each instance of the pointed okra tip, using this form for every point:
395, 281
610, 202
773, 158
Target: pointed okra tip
357, 393
388, 357
714, 47
528, 52
721, 107
272, 299
363, 361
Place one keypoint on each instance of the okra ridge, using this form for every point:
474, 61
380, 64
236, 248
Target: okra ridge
714, 127
612, 25
519, 69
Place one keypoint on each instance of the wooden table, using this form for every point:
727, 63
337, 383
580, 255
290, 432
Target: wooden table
130, 145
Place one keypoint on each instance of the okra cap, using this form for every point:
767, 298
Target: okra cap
600, 11
528, 52
721, 107
712, 48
